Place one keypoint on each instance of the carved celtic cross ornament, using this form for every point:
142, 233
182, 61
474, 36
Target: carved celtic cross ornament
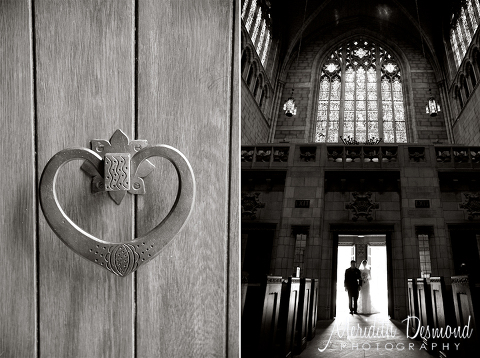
471, 205
362, 206
117, 167
250, 204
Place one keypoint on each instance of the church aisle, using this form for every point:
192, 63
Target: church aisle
387, 339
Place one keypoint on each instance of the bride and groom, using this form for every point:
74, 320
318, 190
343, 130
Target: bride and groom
357, 284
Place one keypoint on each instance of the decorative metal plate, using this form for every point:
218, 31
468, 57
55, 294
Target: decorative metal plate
123, 172
118, 150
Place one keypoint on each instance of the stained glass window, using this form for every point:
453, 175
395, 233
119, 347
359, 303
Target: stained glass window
424, 253
257, 24
300, 246
266, 48
372, 103
460, 39
251, 14
328, 116
456, 50
244, 8
394, 128
261, 38
464, 28
472, 15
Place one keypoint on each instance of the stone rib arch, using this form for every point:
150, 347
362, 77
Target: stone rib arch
246, 60
293, 43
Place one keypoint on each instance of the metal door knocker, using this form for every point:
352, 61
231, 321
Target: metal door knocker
117, 167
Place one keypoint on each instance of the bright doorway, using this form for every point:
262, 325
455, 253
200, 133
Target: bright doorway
360, 247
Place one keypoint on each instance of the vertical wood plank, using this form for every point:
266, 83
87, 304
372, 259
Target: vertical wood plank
17, 180
84, 55
233, 306
184, 84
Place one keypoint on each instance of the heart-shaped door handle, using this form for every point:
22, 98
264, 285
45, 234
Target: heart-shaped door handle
116, 170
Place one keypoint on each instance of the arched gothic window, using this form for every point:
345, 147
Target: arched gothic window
252, 72
476, 62
464, 85
251, 12
257, 24
464, 27
360, 95
471, 75
458, 95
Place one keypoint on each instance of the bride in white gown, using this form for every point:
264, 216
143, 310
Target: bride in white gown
364, 298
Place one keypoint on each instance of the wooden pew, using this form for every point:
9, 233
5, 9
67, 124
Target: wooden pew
312, 317
442, 312
465, 304
260, 318
288, 317
302, 318
424, 305
412, 304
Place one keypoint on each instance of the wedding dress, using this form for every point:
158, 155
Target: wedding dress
364, 298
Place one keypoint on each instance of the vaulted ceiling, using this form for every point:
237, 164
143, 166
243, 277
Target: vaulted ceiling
399, 17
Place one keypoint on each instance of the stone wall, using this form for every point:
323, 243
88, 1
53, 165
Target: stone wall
466, 129
300, 184
302, 76
418, 171
255, 128
273, 206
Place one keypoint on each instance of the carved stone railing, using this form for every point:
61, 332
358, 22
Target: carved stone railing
308, 154
247, 154
457, 156
264, 155
359, 156
416, 154
362, 154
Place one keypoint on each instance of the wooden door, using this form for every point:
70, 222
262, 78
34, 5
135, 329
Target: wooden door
165, 71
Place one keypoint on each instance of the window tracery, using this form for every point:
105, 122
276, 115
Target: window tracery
256, 48
329, 102
251, 14
464, 27
257, 23
266, 47
244, 8
471, 74
259, 45
459, 95
360, 95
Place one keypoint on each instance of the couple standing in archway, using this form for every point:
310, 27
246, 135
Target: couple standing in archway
357, 285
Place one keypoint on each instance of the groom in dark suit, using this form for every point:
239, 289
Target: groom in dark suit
353, 282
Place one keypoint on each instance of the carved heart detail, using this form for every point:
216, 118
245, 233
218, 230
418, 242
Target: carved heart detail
118, 258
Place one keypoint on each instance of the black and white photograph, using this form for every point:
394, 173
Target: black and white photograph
360, 182
120, 178
239, 178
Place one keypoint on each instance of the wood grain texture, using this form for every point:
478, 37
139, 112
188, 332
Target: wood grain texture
17, 207
84, 64
83, 67
233, 306
184, 84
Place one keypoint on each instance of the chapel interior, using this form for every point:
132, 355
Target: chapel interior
360, 139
